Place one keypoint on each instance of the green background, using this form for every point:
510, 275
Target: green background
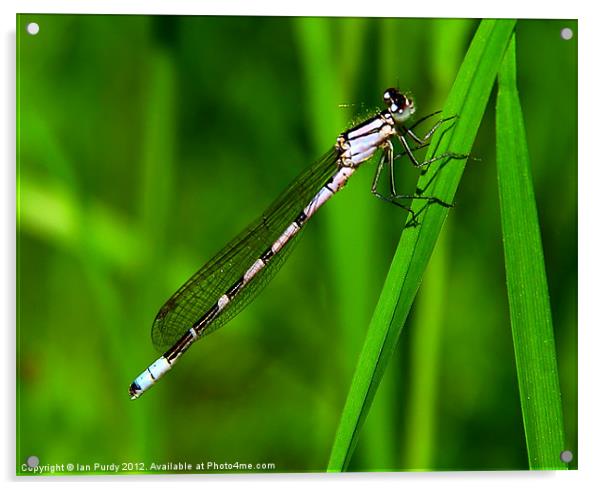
147, 143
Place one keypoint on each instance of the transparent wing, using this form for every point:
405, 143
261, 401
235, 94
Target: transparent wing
205, 287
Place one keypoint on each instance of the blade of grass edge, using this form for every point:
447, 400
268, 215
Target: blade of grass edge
468, 99
528, 297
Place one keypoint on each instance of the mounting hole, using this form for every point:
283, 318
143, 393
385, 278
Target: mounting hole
566, 456
566, 33
33, 461
33, 28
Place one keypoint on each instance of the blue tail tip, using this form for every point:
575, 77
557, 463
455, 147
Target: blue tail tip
135, 390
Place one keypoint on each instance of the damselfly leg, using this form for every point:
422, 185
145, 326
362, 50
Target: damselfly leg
424, 141
388, 158
394, 197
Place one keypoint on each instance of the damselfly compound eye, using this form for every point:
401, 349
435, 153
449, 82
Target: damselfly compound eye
391, 98
395, 100
400, 106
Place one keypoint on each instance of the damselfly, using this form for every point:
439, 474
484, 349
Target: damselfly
234, 277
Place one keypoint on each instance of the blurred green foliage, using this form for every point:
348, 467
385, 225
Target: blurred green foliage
146, 143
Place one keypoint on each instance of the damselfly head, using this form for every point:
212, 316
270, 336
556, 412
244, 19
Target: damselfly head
400, 106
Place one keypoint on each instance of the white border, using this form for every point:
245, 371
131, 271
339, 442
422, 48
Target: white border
590, 177
382, 8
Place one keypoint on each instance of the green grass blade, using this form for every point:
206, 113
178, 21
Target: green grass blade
431, 306
528, 297
423, 386
468, 99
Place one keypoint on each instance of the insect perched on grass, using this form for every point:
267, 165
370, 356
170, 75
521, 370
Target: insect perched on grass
234, 277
